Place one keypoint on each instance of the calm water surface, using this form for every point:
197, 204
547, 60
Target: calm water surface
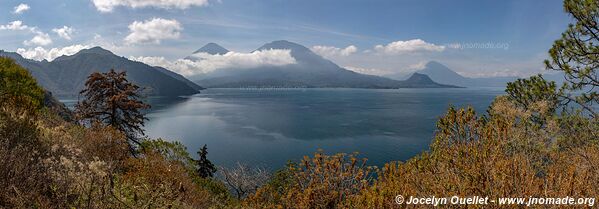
270, 127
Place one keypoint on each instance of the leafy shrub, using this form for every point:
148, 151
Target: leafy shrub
151, 181
22, 173
319, 182
18, 89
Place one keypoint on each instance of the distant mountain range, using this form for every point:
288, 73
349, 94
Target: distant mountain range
66, 75
424, 81
310, 70
442, 74
210, 48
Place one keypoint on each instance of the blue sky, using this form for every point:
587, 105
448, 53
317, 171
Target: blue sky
520, 31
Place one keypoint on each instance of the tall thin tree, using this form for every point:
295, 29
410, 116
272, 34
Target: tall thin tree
205, 167
109, 98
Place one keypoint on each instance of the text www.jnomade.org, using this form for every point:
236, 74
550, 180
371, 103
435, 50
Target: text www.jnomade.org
479, 200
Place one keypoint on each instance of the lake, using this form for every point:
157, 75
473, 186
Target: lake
268, 127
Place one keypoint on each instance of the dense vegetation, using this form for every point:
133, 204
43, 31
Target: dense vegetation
540, 139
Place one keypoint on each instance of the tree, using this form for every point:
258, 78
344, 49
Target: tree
172, 151
525, 92
18, 88
114, 101
534, 91
576, 54
244, 180
205, 167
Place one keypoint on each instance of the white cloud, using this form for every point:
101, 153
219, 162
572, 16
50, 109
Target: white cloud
64, 32
417, 66
368, 71
16, 25
40, 53
414, 45
109, 5
21, 8
331, 51
153, 31
506, 72
206, 63
41, 39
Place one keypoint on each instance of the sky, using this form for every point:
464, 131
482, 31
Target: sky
382, 37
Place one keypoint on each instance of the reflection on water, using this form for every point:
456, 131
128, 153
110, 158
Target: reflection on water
157, 103
270, 127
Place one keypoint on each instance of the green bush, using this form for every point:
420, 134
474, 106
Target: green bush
18, 88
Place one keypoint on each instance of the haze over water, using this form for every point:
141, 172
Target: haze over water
270, 127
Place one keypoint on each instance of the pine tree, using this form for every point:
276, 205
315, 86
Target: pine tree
114, 101
576, 54
205, 167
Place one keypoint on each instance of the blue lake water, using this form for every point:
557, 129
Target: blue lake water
270, 127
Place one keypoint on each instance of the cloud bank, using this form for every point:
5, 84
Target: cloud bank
40, 53
331, 51
109, 5
153, 31
207, 63
410, 46
368, 71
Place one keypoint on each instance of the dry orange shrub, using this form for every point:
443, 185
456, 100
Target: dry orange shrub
22, 174
49, 163
153, 182
319, 182
510, 152
502, 155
